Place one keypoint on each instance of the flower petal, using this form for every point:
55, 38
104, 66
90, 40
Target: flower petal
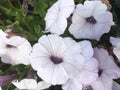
107, 63
14, 57
103, 83
56, 17
114, 41
87, 77
40, 62
116, 51
53, 74
25, 84
87, 49
42, 85
67, 7
72, 84
90, 72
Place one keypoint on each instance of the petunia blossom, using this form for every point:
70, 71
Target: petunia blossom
56, 59
14, 50
88, 74
91, 20
108, 70
116, 46
30, 84
56, 17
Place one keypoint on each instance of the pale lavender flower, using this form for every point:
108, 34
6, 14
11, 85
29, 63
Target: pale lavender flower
14, 50
56, 17
108, 70
91, 20
56, 59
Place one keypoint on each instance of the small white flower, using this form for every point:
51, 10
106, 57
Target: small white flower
56, 17
0, 88
91, 20
56, 59
14, 50
30, 84
116, 43
108, 70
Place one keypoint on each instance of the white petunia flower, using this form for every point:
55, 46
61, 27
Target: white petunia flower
88, 74
108, 70
116, 43
0, 88
14, 50
30, 84
91, 20
56, 17
56, 59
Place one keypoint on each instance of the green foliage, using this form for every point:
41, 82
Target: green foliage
30, 23
117, 2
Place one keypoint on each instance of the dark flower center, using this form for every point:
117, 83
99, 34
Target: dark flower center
100, 72
10, 46
87, 88
91, 20
56, 60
